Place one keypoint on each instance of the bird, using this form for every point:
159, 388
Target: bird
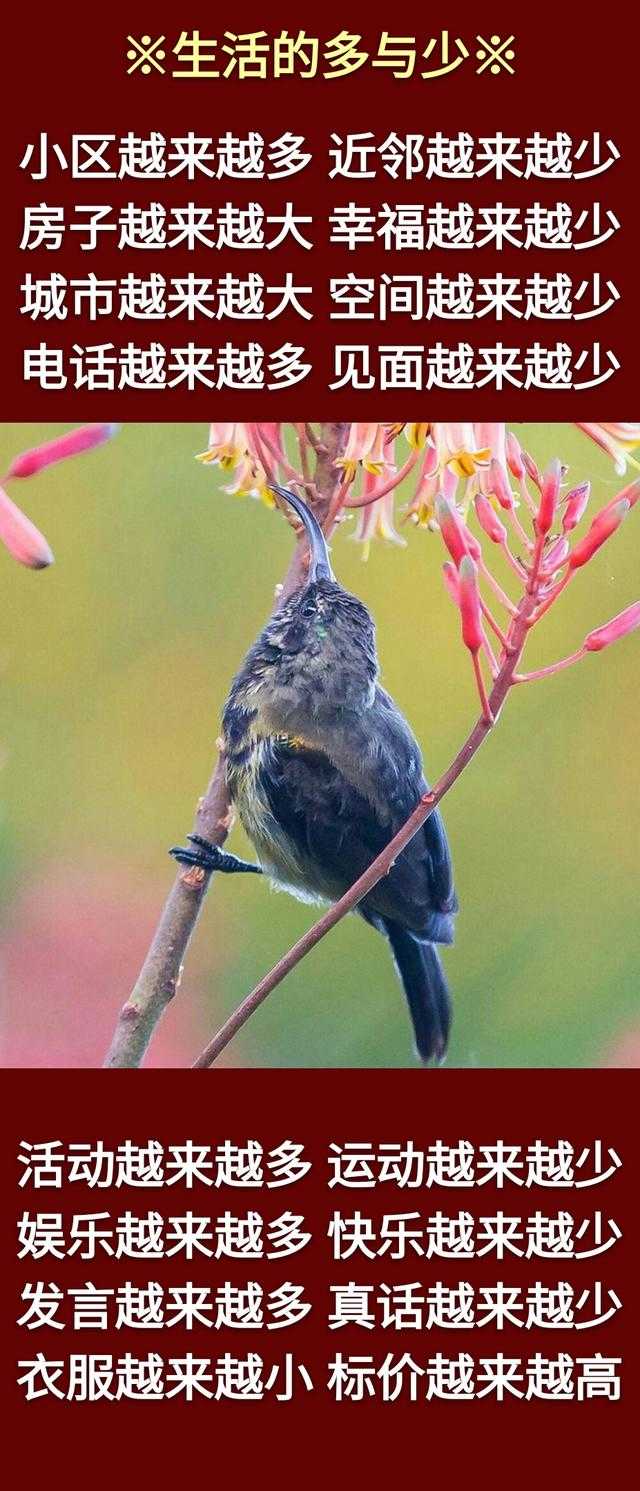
323, 769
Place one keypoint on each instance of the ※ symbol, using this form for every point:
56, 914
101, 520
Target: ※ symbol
495, 54
145, 54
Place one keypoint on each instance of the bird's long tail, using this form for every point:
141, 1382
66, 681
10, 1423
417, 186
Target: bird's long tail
426, 988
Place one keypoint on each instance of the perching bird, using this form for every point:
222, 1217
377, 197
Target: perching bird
323, 770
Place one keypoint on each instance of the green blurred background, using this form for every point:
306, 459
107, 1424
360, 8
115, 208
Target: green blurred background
113, 670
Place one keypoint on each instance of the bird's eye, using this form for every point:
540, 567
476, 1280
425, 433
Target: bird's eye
294, 636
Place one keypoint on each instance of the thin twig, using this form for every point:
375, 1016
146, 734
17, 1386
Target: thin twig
281, 457
490, 618
548, 672
387, 486
314, 439
481, 686
496, 588
303, 447
160, 974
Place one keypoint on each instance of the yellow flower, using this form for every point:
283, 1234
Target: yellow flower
456, 448
417, 435
228, 445
365, 447
376, 518
250, 480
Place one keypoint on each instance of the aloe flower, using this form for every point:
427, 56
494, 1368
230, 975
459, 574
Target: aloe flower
488, 520
19, 535
72, 443
469, 604
431, 483
376, 518
243, 449
617, 440
227, 446
417, 435
576, 505
455, 534
549, 495
365, 447
606, 522
457, 447
250, 480
460, 462
457, 464
628, 621
545, 562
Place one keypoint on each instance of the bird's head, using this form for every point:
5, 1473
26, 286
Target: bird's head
322, 640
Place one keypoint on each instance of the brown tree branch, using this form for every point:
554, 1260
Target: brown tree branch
161, 971
160, 974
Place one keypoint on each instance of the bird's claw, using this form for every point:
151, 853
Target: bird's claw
209, 857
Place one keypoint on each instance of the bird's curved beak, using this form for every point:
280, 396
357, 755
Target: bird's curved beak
319, 563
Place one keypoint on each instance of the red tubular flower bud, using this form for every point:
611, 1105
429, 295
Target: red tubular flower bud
469, 602
21, 537
628, 494
531, 469
620, 626
556, 555
489, 521
451, 580
576, 506
549, 494
631, 494
473, 547
499, 485
604, 524
453, 530
72, 443
514, 457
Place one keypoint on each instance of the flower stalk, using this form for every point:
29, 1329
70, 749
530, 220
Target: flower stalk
459, 471
463, 570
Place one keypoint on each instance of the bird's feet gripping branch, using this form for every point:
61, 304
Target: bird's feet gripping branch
209, 857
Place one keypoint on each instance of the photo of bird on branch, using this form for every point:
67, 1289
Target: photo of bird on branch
315, 759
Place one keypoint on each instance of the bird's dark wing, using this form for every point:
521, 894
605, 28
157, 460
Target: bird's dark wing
321, 813
398, 771
336, 833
